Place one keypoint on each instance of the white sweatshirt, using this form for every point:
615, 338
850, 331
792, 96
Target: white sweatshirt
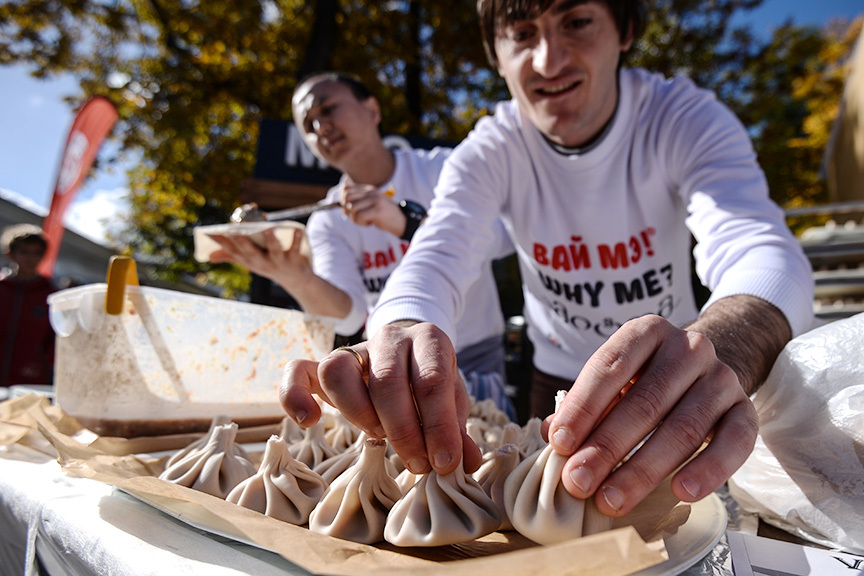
604, 237
359, 259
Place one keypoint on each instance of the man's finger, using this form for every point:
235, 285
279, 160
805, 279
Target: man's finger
677, 438
731, 443
435, 382
299, 382
343, 378
609, 370
390, 387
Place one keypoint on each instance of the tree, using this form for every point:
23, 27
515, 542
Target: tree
798, 88
786, 90
192, 79
699, 40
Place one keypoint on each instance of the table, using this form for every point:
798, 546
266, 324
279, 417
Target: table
51, 523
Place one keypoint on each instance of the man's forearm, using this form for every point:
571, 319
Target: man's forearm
748, 334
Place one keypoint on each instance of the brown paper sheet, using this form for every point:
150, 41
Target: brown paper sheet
18, 424
148, 444
618, 552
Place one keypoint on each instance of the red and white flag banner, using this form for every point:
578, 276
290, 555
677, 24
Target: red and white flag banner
92, 124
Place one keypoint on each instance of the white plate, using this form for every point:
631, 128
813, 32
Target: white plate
692, 541
193, 515
205, 246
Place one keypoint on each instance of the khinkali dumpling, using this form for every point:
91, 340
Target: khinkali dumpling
342, 434
396, 460
492, 436
492, 475
476, 430
509, 434
531, 438
313, 448
215, 468
441, 510
495, 437
540, 508
334, 466
290, 431
356, 504
489, 412
328, 413
406, 480
218, 420
283, 488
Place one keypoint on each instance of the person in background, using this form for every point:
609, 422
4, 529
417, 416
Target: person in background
28, 339
384, 196
600, 173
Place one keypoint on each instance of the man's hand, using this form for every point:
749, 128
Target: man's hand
366, 205
414, 397
680, 390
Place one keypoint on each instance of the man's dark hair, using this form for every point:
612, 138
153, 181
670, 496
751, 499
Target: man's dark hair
358, 89
496, 13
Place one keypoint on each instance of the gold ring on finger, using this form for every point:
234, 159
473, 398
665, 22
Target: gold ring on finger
355, 354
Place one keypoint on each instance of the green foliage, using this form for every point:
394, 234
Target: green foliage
696, 39
191, 80
786, 89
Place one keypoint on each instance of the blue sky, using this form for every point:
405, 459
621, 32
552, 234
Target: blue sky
34, 123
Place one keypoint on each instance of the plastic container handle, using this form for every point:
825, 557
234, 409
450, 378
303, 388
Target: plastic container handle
121, 272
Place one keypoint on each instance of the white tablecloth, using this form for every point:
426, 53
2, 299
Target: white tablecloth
75, 526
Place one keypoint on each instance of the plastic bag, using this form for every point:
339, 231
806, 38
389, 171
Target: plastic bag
806, 474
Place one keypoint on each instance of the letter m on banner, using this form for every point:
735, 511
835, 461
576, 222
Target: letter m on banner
92, 124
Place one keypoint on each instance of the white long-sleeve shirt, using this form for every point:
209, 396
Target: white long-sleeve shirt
604, 237
359, 259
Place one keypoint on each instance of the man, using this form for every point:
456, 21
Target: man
28, 339
600, 173
384, 195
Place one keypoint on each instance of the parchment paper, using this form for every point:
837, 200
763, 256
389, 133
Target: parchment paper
618, 552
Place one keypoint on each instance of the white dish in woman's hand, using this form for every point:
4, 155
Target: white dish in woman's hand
284, 230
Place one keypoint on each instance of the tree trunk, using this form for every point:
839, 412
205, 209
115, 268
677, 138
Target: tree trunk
319, 51
414, 70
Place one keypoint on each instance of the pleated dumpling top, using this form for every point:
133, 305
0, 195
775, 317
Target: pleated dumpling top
356, 505
218, 420
541, 509
493, 474
283, 488
215, 468
440, 510
313, 448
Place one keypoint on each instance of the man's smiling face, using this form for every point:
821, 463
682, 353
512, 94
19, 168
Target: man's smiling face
561, 67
